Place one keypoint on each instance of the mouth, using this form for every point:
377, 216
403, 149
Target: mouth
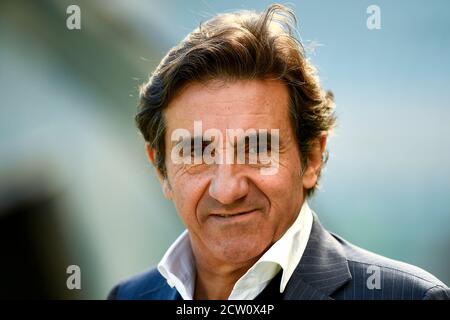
231, 215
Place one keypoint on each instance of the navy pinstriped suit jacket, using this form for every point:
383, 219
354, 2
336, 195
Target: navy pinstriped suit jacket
330, 268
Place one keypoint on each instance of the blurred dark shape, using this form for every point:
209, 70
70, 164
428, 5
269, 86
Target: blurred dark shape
33, 260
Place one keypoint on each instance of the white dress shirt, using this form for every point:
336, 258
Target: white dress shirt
178, 266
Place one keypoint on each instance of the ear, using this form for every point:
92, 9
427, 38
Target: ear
315, 159
165, 185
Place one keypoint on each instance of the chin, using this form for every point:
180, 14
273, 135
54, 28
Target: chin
240, 250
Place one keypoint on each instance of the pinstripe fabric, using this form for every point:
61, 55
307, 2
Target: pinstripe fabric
330, 268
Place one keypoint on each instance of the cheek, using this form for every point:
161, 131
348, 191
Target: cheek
284, 189
187, 192
288, 178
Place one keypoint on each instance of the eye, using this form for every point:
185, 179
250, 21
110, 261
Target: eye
263, 148
197, 152
253, 149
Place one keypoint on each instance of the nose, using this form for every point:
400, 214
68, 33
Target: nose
228, 185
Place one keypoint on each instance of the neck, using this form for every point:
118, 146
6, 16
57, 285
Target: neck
217, 283
216, 278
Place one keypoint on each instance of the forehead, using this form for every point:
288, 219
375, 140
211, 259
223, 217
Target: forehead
230, 104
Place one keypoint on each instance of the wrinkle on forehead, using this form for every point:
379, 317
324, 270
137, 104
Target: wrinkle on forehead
230, 104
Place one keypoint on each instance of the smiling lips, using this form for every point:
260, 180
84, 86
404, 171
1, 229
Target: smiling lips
229, 215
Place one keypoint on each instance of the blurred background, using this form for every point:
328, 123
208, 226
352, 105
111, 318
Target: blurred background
75, 186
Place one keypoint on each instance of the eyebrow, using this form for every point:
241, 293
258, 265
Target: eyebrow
256, 136
188, 141
253, 135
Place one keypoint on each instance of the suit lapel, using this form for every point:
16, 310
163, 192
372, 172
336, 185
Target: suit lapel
161, 292
323, 268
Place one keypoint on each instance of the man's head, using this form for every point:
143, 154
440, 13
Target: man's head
238, 71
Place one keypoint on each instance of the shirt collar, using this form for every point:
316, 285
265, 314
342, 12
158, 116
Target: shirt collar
285, 254
178, 264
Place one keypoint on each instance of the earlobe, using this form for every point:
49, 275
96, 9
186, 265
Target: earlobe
167, 190
312, 171
151, 156
309, 177
150, 153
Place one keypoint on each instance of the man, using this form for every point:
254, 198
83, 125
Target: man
236, 124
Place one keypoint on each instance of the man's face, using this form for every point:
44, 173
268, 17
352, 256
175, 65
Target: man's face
232, 211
